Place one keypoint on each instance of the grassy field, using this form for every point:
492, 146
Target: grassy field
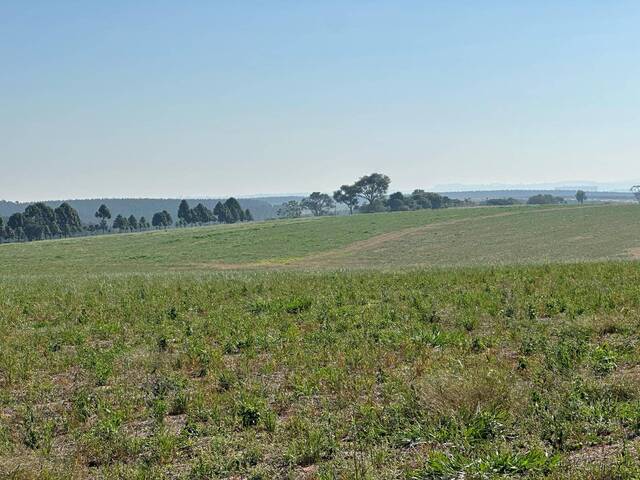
512, 372
211, 247
453, 237
244, 352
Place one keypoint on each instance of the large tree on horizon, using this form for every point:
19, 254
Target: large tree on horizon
373, 187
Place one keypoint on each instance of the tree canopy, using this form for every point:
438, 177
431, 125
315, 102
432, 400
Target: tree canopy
121, 223
233, 211
290, 209
103, 214
201, 214
184, 212
40, 221
348, 196
318, 203
373, 187
133, 222
162, 219
545, 199
67, 219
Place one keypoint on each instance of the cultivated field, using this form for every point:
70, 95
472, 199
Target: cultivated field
131, 356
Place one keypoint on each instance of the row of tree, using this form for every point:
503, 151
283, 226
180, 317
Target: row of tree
367, 194
539, 199
121, 222
546, 199
228, 212
130, 223
39, 221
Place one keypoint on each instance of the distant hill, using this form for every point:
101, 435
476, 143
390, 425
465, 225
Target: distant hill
146, 207
277, 200
480, 195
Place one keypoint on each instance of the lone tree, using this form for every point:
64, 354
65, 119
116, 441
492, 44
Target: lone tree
581, 196
103, 214
318, 203
247, 216
347, 195
373, 188
290, 209
142, 223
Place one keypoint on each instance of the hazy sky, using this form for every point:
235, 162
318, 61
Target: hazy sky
189, 98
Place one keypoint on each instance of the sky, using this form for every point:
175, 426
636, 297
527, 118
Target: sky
209, 98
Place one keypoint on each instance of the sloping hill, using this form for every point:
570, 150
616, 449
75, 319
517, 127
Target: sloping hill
454, 237
181, 370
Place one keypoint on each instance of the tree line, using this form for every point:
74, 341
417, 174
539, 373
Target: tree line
367, 195
40, 221
228, 212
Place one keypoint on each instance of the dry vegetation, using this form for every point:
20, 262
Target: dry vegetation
525, 372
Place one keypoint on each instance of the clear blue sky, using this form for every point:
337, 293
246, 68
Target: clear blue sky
188, 98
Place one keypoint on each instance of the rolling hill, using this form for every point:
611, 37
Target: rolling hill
426, 238
463, 343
